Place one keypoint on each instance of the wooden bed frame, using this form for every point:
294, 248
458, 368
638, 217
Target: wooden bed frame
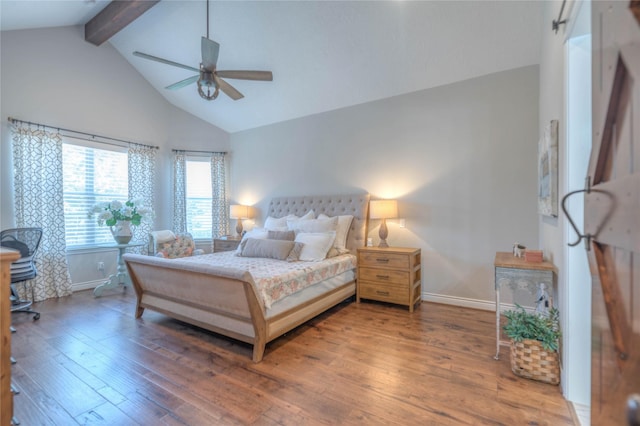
226, 301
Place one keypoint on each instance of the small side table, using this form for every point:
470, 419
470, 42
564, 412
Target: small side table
225, 244
389, 274
516, 273
121, 277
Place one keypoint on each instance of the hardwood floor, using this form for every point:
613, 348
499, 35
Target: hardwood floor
88, 361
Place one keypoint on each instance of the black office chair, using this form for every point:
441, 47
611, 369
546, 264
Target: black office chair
26, 241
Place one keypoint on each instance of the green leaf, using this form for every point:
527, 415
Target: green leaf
523, 325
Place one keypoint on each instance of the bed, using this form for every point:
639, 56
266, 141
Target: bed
207, 292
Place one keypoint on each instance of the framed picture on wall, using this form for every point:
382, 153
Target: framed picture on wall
548, 171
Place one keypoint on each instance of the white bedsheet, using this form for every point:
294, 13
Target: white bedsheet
276, 279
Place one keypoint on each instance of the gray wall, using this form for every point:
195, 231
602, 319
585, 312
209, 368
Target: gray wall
54, 77
461, 160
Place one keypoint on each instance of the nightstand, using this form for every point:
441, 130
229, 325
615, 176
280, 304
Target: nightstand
389, 274
225, 244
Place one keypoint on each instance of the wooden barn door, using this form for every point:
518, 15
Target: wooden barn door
612, 213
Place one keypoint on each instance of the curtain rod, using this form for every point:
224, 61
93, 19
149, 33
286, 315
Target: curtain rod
61, 129
555, 25
199, 152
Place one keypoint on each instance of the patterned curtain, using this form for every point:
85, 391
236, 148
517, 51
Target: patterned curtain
179, 192
220, 204
37, 163
142, 176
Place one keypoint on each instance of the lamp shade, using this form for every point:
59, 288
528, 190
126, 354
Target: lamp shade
383, 209
238, 211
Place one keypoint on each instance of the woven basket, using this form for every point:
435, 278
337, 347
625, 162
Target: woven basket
530, 360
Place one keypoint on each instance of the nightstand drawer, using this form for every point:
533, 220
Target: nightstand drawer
225, 245
388, 260
383, 293
384, 276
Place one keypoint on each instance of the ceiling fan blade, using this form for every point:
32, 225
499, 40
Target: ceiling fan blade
210, 50
165, 61
228, 89
182, 83
247, 75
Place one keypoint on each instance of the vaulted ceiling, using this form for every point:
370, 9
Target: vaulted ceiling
324, 55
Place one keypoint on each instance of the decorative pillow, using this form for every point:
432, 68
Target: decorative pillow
313, 225
271, 249
257, 233
344, 223
335, 251
281, 235
182, 246
316, 244
294, 254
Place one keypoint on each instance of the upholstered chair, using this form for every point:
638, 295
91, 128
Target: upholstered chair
170, 246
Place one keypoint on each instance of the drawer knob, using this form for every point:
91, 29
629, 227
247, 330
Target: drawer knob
382, 260
382, 293
382, 277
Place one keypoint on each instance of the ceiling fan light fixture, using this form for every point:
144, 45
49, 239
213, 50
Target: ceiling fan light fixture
208, 82
209, 95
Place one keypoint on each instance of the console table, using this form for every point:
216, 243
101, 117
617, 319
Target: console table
516, 273
121, 277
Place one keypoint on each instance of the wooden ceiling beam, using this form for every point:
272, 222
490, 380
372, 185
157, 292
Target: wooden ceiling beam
113, 18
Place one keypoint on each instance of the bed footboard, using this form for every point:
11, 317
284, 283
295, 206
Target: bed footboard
222, 301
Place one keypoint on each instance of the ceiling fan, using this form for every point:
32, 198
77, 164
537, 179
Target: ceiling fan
209, 79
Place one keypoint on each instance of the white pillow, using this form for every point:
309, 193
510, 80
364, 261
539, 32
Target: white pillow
344, 223
313, 225
308, 215
316, 245
277, 223
257, 233
280, 223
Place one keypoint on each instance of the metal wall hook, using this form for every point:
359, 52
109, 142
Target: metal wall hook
586, 237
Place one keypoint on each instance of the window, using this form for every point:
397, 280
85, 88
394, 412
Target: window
91, 175
199, 197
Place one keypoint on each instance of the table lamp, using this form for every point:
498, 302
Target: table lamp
239, 212
383, 209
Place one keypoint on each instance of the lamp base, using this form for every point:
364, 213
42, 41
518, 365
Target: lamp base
383, 233
239, 228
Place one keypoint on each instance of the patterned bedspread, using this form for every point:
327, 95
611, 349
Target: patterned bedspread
276, 279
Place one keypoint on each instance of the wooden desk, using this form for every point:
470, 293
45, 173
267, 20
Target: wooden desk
519, 274
6, 396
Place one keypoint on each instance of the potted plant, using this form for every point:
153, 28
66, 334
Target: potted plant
534, 344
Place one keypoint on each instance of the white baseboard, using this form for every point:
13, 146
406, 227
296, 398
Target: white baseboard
88, 285
583, 412
460, 301
464, 302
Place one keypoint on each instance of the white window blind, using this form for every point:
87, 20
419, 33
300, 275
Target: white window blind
199, 198
91, 175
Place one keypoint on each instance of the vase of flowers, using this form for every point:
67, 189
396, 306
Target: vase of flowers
122, 232
120, 217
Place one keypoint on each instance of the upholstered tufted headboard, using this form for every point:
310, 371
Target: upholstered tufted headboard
331, 205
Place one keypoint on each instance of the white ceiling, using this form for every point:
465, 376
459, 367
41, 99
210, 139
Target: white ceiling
324, 55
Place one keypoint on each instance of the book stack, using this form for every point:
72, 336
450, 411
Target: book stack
533, 256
